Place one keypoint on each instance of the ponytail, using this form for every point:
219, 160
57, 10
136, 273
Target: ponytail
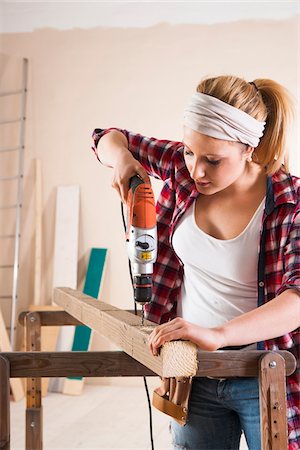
272, 151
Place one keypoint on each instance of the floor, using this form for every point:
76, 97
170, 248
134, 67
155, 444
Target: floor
105, 417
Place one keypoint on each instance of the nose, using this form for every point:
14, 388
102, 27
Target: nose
197, 170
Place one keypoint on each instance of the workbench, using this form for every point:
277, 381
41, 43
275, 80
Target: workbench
176, 359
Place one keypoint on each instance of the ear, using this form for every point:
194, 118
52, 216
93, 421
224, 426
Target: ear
248, 153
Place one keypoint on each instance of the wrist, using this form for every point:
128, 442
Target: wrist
221, 337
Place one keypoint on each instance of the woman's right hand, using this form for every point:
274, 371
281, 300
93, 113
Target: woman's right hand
125, 168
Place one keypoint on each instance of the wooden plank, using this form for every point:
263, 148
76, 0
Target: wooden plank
119, 364
81, 364
52, 318
272, 396
38, 233
49, 336
177, 358
82, 337
4, 404
34, 416
66, 236
34, 429
232, 363
65, 258
15, 384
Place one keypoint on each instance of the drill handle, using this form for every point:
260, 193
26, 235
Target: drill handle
134, 182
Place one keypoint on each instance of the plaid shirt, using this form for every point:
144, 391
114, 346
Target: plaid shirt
279, 249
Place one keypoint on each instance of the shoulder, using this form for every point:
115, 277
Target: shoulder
286, 187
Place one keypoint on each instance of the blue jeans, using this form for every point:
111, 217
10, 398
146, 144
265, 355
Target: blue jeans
219, 410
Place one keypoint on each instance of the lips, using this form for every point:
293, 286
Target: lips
203, 183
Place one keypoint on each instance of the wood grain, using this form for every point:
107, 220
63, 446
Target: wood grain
272, 398
125, 330
83, 364
236, 363
4, 404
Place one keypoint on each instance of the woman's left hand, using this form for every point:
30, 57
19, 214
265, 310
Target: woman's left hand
205, 338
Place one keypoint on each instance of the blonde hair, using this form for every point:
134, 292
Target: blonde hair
266, 100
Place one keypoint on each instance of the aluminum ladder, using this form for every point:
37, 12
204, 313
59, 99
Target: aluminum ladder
17, 178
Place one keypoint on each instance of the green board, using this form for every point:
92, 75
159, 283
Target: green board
92, 285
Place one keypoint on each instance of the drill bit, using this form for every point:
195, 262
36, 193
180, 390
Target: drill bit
143, 316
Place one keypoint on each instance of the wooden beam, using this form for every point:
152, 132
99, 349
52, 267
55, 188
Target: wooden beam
272, 397
5, 346
117, 364
4, 404
75, 364
237, 363
51, 318
176, 359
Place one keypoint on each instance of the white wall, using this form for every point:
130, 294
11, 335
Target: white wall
24, 16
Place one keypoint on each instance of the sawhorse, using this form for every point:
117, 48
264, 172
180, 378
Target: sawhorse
270, 367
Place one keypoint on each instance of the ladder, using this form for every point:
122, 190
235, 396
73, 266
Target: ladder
17, 178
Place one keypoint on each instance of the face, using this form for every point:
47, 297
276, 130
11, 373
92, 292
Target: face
214, 164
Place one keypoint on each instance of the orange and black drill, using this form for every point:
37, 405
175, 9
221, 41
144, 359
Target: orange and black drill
141, 237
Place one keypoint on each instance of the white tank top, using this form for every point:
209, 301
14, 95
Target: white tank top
220, 276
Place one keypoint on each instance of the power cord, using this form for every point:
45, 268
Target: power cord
135, 312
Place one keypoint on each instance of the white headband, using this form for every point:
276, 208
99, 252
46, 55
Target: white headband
209, 115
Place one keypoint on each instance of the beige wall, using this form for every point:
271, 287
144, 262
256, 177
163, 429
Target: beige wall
139, 79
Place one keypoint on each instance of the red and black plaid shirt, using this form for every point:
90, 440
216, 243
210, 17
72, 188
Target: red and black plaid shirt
279, 249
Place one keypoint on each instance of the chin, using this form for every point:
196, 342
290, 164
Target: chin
206, 190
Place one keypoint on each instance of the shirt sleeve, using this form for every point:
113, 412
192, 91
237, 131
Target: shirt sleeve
155, 155
291, 277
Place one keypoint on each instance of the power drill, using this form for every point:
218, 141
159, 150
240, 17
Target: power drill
141, 238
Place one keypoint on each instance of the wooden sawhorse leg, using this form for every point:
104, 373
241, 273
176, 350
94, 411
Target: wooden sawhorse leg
34, 412
4, 404
272, 397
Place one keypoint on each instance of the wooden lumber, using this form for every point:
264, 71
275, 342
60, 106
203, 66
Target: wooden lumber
4, 404
34, 409
273, 401
38, 233
5, 346
66, 236
48, 336
81, 364
119, 364
178, 358
236, 363
51, 318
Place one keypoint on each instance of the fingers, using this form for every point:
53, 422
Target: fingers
123, 192
143, 175
122, 175
173, 330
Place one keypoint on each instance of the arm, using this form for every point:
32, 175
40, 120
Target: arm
112, 151
275, 318
111, 146
131, 153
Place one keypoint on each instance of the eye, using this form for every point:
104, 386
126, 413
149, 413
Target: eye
187, 152
213, 162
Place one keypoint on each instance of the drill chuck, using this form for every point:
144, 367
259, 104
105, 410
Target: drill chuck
142, 285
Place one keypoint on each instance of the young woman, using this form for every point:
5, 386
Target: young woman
227, 273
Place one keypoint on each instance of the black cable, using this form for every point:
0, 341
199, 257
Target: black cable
135, 312
129, 265
150, 413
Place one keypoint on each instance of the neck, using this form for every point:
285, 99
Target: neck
252, 180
